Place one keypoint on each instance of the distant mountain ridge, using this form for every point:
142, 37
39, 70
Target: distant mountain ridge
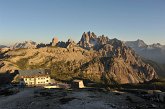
155, 52
25, 44
136, 44
3, 46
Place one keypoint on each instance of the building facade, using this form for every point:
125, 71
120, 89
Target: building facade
35, 77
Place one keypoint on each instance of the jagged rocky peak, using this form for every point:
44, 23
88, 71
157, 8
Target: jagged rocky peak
114, 47
88, 37
88, 40
26, 44
119, 63
103, 40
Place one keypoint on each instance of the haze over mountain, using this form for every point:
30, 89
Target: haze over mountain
155, 52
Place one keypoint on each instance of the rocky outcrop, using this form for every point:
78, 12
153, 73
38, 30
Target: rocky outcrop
88, 40
118, 64
70, 43
54, 41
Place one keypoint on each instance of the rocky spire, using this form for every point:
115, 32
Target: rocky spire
54, 41
88, 40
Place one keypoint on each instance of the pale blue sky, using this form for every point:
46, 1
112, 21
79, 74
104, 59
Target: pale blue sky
40, 20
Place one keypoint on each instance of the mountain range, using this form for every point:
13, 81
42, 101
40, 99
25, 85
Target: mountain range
154, 52
96, 58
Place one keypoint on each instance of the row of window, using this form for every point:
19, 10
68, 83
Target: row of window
33, 78
29, 79
41, 78
31, 83
43, 82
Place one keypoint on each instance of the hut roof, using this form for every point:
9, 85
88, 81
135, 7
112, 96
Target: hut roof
36, 72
